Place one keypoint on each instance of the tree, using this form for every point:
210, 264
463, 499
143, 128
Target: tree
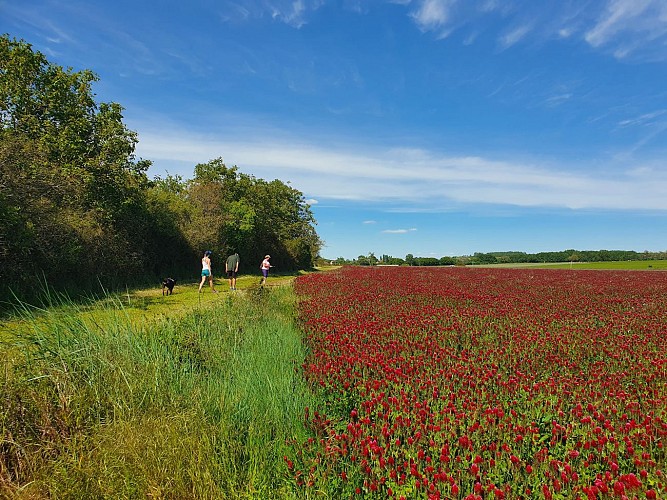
484, 258
169, 211
252, 217
76, 206
574, 257
426, 261
362, 260
72, 161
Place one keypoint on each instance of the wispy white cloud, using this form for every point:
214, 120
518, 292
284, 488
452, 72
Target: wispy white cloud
556, 100
656, 130
646, 118
235, 11
514, 36
621, 27
616, 18
294, 13
399, 231
470, 39
311, 201
124, 50
624, 28
491, 5
649, 125
565, 32
50, 30
369, 222
432, 14
630, 25
418, 177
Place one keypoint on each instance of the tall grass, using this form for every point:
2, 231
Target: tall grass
197, 407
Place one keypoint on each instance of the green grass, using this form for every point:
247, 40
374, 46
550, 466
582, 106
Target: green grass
635, 265
140, 306
187, 396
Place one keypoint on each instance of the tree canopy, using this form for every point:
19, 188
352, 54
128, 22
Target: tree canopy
251, 216
77, 206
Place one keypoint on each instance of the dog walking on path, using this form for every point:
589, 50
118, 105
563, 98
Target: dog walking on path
168, 286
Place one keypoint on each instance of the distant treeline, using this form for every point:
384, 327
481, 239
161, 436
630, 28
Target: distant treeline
506, 258
77, 209
565, 256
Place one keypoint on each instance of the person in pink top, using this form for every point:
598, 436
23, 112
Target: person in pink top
264, 267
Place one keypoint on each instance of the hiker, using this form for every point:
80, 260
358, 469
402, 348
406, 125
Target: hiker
232, 269
206, 271
265, 266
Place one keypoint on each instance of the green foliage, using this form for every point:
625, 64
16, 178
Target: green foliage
77, 208
251, 216
615, 259
426, 261
391, 261
569, 255
72, 195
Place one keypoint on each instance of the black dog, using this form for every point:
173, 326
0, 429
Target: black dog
168, 285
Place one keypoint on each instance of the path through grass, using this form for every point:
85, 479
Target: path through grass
188, 396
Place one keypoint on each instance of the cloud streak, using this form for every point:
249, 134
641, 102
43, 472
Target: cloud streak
293, 13
432, 14
399, 231
646, 118
625, 28
417, 176
514, 36
638, 16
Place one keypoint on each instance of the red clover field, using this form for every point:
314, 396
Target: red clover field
465, 383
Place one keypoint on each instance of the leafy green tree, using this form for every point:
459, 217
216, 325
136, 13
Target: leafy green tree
169, 211
76, 206
362, 260
82, 192
484, 258
252, 217
426, 261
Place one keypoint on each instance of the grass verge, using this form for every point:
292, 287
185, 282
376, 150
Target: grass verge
199, 405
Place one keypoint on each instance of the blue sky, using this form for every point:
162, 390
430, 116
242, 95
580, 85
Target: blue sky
431, 127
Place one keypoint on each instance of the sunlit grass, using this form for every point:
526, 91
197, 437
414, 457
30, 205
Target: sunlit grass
139, 306
186, 396
632, 265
